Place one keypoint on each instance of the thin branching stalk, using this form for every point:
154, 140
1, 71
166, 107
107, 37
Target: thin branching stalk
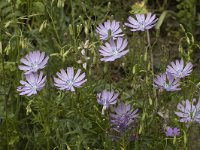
54, 27
123, 143
152, 65
110, 78
4, 85
73, 25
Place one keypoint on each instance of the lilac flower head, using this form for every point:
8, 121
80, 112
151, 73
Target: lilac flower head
166, 82
109, 29
188, 112
178, 70
33, 62
68, 80
176, 131
123, 118
32, 85
141, 23
106, 99
113, 50
171, 132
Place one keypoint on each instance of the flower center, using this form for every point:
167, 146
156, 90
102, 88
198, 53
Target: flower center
142, 25
70, 83
34, 87
34, 65
123, 121
180, 73
114, 52
166, 86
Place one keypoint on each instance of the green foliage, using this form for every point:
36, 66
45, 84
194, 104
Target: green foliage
187, 13
138, 8
187, 45
63, 28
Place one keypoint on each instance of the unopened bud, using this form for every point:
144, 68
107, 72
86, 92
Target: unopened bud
70, 29
109, 5
79, 28
86, 30
105, 68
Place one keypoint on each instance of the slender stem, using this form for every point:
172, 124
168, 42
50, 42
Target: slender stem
73, 24
54, 27
48, 145
80, 102
152, 64
123, 143
4, 85
165, 144
18, 36
109, 70
151, 53
186, 138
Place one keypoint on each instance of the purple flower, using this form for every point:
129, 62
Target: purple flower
106, 99
32, 85
140, 23
109, 29
68, 80
123, 118
176, 131
112, 50
178, 70
188, 112
171, 132
166, 82
33, 62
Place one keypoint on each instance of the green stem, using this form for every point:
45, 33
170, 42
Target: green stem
109, 70
73, 24
165, 144
151, 53
185, 138
123, 144
4, 85
152, 64
48, 147
54, 27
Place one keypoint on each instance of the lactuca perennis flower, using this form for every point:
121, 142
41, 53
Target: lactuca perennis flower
110, 29
141, 23
106, 99
188, 112
123, 118
68, 80
167, 82
113, 50
171, 132
32, 85
178, 70
33, 62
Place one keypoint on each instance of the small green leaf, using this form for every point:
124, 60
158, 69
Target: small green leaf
161, 19
185, 137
